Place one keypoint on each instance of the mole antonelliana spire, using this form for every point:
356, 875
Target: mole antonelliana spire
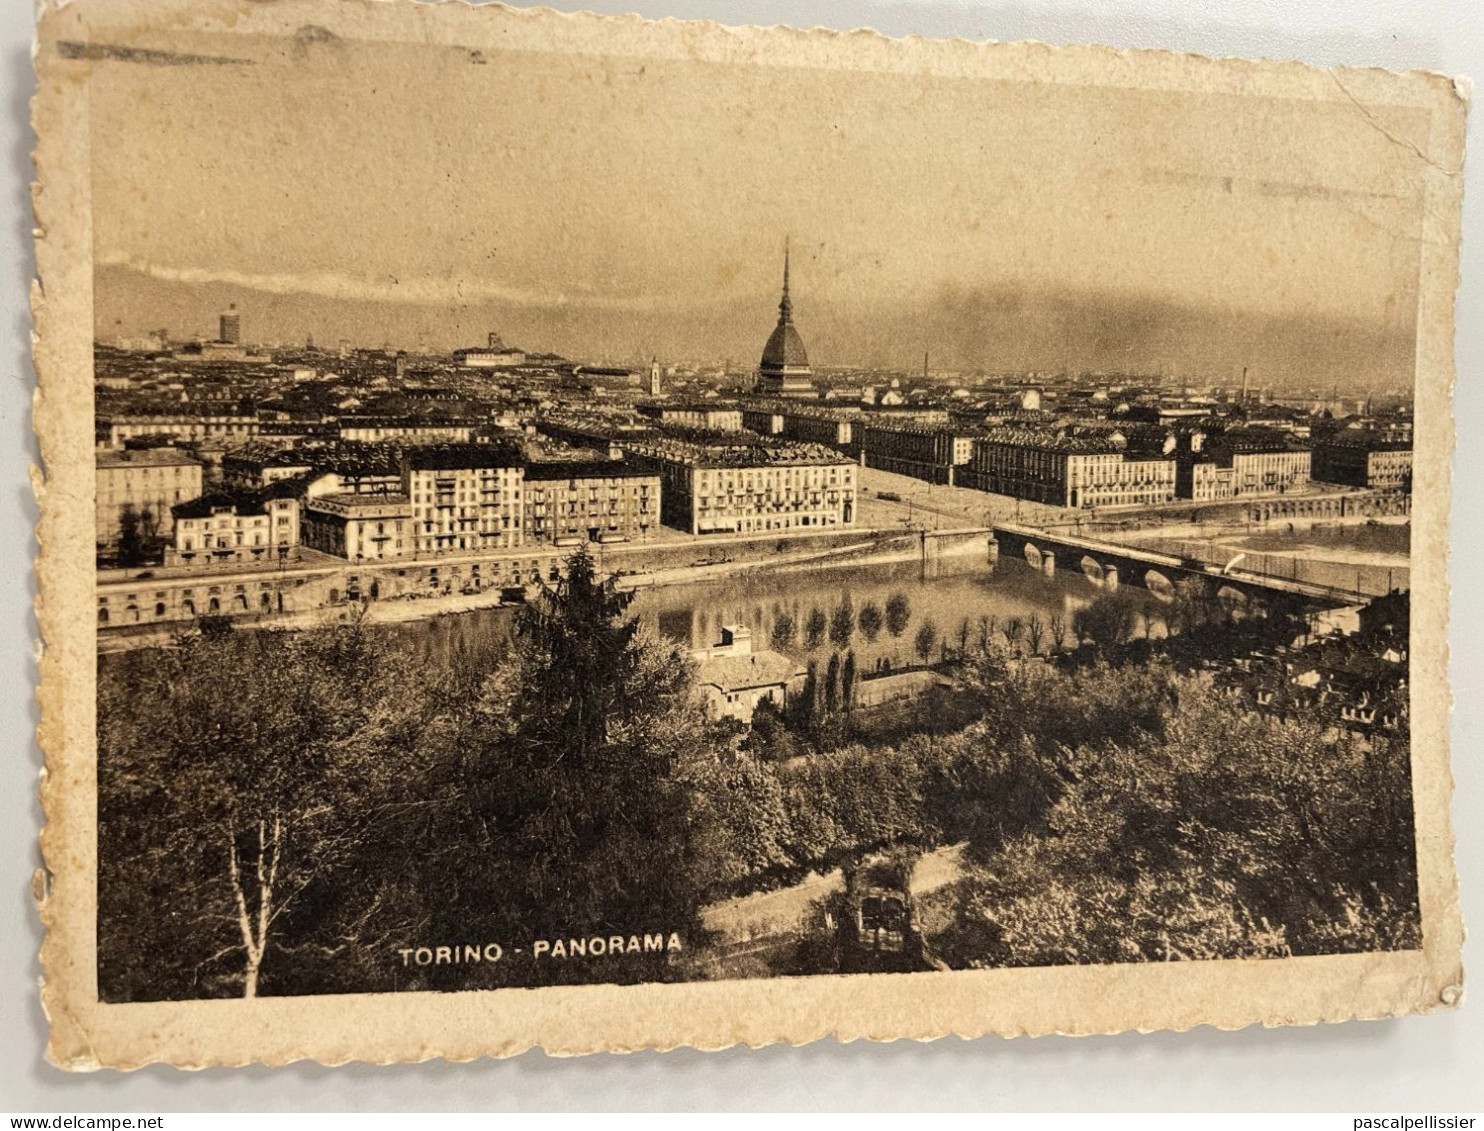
784, 370
785, 308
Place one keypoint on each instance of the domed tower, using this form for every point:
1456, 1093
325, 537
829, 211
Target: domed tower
784, 370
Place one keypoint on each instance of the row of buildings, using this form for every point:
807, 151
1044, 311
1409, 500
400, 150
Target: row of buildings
421, 500
1170, 452
449, 471
438, 500
237, 428
1095, 463
796, 470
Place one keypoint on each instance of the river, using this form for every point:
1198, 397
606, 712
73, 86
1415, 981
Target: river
777, 605
1371, 559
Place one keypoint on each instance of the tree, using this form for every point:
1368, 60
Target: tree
1013, 629
1195, 606
239, 770
1035, 632
898, 614
769, 737
964, 631
782, 636
569, 784
814, 629
847, 681
927, 638
870, 621
131, 536
842, 623
806, 702
580, 767
832, 684
1206, 832
1107, 622
1145, 617
1058, 627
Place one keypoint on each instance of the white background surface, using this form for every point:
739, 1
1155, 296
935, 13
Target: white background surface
1425, 1064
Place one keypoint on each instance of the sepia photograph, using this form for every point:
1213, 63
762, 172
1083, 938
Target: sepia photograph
742, 507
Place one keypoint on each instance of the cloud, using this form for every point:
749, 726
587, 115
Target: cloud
419, 290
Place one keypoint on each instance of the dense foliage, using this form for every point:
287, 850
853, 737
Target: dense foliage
288, 812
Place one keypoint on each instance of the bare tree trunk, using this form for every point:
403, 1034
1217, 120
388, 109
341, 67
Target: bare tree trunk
254, 927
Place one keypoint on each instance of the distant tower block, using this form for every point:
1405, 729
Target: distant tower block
654, 377
231, 326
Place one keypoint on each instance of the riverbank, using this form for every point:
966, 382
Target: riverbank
757, 558
1236, 529
376, 613
1372, 556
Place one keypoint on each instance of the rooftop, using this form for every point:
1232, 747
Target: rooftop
1051, 441
738, 452
456, 457
784, 349
258, 457
207, 505
429, 421
1257, 440
148, 457
757, 669
589, 469
1365, 440
349, 501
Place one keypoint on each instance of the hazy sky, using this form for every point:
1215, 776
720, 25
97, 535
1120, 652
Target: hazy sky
596, 206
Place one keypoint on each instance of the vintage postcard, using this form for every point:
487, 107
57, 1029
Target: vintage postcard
592, 534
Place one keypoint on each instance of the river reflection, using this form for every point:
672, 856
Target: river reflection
779, 606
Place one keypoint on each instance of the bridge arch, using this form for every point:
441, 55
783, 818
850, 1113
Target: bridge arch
1092, 568
1158, 584
1032, 555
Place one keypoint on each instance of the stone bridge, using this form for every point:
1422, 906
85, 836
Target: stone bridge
1110, 565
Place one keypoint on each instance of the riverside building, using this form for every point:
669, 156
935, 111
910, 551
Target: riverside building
359, 527
748, 485
931, 454
573, 501
1262, 461
1066, 471
235, 528
1364, 459
464, 497
735, 678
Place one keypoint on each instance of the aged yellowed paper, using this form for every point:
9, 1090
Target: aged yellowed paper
613, 535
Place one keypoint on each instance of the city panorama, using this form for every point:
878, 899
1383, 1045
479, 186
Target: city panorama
583, 549
810, 671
